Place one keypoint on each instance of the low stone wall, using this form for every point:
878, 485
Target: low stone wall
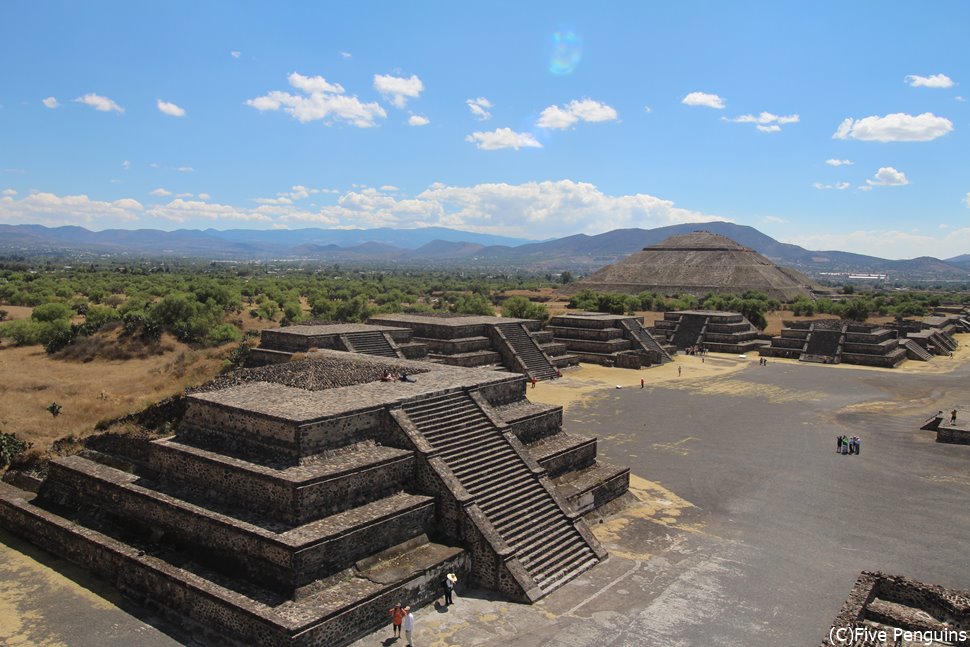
453, 346
953, 435
269, 492
629, 360
591, 346
568, 333
889, 360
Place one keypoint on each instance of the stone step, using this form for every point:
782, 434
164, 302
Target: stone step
456, 454
279, 557
472, 482
534, 529
496, 486
544, 536
546, 562
292, 494
443, 440
505, 504
574, 569
480, 463
433, 422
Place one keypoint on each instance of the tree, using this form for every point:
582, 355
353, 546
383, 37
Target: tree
473, 304
519, 307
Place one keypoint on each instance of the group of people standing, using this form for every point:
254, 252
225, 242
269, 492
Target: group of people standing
848, 445
402, 618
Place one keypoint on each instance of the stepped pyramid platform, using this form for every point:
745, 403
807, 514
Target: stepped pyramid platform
278, 345
713, 330
957, 433
297, 502
475, 341
835, 341
931, 615
697, 263
610, 340
934, 334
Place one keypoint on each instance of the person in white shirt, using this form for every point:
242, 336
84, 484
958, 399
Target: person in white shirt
408, 625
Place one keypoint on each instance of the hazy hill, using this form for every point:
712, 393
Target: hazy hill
442, 247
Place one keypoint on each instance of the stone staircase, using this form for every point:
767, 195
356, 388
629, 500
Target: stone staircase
915, 351
689, 331
371, 343
823, 344
528, 351
506, 488
639, 333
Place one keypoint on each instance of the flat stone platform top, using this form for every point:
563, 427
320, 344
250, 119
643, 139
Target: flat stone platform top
599, 316
310, 330
706, 313
447, 319
331, 383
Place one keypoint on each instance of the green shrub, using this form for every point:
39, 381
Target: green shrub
11, 447
52, 312
519, 307
223, 334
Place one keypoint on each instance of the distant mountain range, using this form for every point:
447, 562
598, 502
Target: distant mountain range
442, 247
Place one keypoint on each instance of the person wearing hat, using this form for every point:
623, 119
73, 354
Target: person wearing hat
408, 625
397, 616
450, 580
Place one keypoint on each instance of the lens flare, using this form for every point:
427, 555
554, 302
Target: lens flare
567, 51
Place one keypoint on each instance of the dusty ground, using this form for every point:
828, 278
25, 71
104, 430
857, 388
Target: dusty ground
92, 391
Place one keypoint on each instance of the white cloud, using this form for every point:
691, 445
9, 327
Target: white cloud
160, 192
235, 54
51, 102
183, 195
53, 210
773, 220
576, 110
835, 162
204, 196
647, 109
934, 81
104, 104
11, 192
960, 99
321, 101
502, 138
185, 169
897, 127
888, 176
703, 99
966, 200
766, 122
480, 108
170, 109
398, 90
418, 120
126, 165
838, 186
534, 209
345, 54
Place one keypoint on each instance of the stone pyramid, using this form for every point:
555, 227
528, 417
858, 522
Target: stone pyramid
698, 263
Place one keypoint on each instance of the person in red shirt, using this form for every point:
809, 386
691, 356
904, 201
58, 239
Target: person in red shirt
397, 616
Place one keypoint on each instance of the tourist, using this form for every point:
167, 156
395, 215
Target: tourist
449, 584
679, 368
858, 445
406, 378
845, 445
953, 417
408, 625
386, 376
838, 444
641, 382
397, 616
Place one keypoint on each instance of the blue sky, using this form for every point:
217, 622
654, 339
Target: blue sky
832, 125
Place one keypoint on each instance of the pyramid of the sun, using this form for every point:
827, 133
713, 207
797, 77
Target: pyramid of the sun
697, 263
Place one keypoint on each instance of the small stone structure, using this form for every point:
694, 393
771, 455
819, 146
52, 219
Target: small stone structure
933, 334
277, 345
835, 341
713, 330
466, 340
891, 605
298, 502
956, 433
610, 340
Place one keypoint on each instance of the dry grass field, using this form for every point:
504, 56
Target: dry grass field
89, 392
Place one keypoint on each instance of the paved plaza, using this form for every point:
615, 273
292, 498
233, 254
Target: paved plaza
746, 527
